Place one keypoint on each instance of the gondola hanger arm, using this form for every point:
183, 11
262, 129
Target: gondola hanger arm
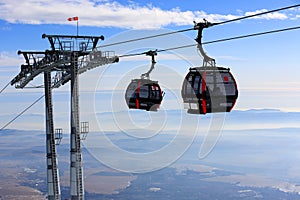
153, 62
207, 61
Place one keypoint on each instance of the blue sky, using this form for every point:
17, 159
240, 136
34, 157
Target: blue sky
266, 67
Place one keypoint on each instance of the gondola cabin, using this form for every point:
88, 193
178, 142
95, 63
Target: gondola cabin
144, 94
209, 90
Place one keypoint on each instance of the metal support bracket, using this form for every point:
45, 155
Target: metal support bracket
58, 133
84, 130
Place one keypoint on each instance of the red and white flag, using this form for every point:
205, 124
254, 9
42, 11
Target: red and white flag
73, 18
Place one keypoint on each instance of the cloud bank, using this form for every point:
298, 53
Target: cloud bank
108, 14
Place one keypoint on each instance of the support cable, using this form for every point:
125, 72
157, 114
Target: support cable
145, 38
5, 87
219, 40
21, 113
253, 35
189, 29
258, 14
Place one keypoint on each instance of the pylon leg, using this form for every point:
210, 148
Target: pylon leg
76, 172
52, 166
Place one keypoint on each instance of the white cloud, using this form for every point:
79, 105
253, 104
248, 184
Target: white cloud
106, 14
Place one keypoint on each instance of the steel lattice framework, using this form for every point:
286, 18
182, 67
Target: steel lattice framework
68, 57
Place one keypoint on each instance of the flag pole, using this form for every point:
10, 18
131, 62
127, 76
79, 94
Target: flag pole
75, 19
77, 28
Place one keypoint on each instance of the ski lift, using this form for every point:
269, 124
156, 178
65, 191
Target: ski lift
208, 89
144, 93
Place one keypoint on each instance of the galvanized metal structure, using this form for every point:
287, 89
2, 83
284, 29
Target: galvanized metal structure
68, 57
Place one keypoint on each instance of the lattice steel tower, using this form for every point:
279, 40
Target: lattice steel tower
68, 57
